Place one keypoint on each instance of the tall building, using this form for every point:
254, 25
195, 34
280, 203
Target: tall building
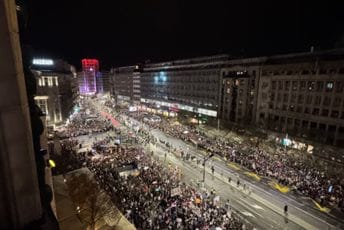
122, 83
105, 76
302, 95
88, 77
56, 89
184, 86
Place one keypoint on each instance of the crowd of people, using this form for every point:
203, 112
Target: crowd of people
287, 170
150, 194
155, 198
84, 124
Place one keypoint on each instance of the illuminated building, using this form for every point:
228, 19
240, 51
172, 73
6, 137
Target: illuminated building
56, 89
88, 77
297, 94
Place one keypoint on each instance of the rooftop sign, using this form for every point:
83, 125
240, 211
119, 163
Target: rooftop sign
42, 62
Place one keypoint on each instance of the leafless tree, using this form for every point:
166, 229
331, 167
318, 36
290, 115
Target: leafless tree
92, 204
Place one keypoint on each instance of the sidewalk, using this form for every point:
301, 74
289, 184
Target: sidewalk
64, 207
66, 213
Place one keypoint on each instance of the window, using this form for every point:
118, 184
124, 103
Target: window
272, 97
329, 86
315, 111
293, 98
280, 85
302, 85
305, 124
327, 101
320, 86
311, 85
300, 99
337, 101
334, 114
285, 97
287, 85
228, 90
339, 86
273, 85
317, 100
324, 112
294, 85
39, 81
56, 81
309, 99
292, 108
265, 85
299, 109
279, 97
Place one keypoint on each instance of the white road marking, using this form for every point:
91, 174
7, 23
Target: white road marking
257, 207
247, 214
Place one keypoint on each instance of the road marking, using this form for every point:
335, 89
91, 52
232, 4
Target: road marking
257, 207
233, 166
321, 208
253, 175
279, 187
245, 213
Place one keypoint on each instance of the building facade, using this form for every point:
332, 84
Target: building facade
56, 90
106, 86
89, 77
190, 85
295, 94
302, 95
122, 83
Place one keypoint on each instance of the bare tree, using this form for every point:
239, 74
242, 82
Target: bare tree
92, 204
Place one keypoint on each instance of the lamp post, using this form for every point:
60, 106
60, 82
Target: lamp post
205, 159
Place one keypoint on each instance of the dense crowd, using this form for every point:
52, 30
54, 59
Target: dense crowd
150, 194
146, 197
286, 169
84, 124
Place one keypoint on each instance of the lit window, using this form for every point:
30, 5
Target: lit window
50, 81
56, 81
329, 85
39, 81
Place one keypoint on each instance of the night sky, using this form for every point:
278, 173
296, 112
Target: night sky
128, 32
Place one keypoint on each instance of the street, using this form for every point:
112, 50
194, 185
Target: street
262, 208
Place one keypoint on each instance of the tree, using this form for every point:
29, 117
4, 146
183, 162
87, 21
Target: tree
92, 204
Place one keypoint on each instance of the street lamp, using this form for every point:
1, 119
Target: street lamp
205, 159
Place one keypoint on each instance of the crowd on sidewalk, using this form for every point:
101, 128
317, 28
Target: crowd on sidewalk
284, 168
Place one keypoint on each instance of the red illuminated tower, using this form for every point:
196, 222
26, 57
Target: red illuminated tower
90, 68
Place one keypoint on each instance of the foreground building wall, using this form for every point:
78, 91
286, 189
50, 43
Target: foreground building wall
19, 191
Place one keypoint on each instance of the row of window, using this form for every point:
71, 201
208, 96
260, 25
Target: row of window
314, 86
303, 72
294, 123
316, 100
48, 81
307, 110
